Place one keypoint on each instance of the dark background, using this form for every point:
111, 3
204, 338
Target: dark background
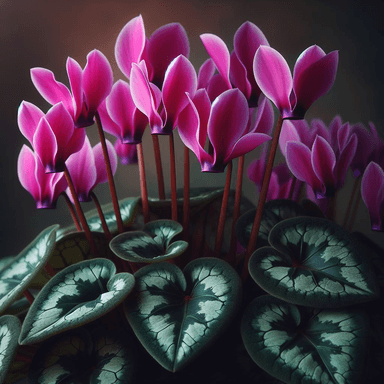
43, 33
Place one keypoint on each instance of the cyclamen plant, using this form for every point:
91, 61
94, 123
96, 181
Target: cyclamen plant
202, 286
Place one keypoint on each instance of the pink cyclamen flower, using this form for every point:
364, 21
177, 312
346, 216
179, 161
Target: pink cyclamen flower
127, 153
87, 168
372, 192
225, 122
313, 76
52, 135
180, 78
89, 87
165, 44
236, 68
45, 188
317, 162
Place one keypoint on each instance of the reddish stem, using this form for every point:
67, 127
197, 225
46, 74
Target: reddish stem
263, 197
186, 211
80, 212
173, 177
107, 233
143, 183
72, 211
159, 167
351, 199
111, 182
236, 210
29, 296
223, 212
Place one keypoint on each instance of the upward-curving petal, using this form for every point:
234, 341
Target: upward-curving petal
164, 45
130, 45
75, 75
288, 133
273, 76
26, 165
101, 170
264, 118
238, 77
28, 117
345, 159
97, 80
206, 73
219, 53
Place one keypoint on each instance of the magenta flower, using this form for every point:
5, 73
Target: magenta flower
87, 168
127, 153
225, 122
45, 188
180, 78
53, 136
89, 87
319, 164
165, 44
372, 192
313, 76
235, 69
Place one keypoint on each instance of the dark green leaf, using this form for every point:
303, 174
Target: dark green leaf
9, 333
305, 346
77, 295
16, 276
151, 244
175, 315
316, 263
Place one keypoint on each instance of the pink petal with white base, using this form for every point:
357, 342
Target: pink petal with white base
164, 45
75, 75
26, 166
219, 53
273, 77
216, 87
28, 118
343, 136
238, 76
53, 91
130, 45
127, 153
288, 133
102, 176
97, 80
206, 73
108, 124
264, 118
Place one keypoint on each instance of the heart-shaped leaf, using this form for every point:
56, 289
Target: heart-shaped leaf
9, 333
128, 209
21, 270
175, 315
305, 346
316, 263
75, 296
150, 245
79, 357
274, 212
74, 247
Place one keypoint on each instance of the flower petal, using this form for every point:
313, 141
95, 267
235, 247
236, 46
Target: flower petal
108, 124
298, 157
52, 91
75, 75
164, 45
216, 87
320, 129
219, 53
206, 73
274, 78
343, 136
97, 80
127, 153
288, 133
264, 118
28, 117
238, 77
255, 171
130, 45
26, 165
102, 176
345, 159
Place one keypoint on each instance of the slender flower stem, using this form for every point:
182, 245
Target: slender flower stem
352, 197
263, 197
72, 211
29, 296
159, 167
223, 212
236, 210
107, 233
186, 211
143, 183
354, 213
173, 177
80, 212
111, 183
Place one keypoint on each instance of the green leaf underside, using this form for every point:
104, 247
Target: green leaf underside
177, 317
326, 346
21, 270
315, 263
102, 357
151, 244
128, 209
75, 296
9, 333
274, 212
